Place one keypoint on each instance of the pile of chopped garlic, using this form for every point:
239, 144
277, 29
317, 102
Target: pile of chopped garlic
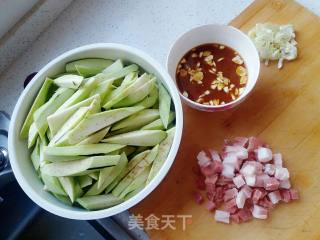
274, 42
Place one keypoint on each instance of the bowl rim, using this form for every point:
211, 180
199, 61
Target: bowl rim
221, 107
96, 214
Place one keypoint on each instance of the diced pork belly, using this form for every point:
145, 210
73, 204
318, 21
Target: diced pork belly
215, 155
285, 195
261, 179
228, 170
285, 184
223, 181
247, 170
203, 159
294, 194
281, 173
230, 194
271, 184
274, 197
263, 154
222, 216
269, 169
210, 205
240, 152
259, 212
241, 199
257, 195
241, 141
211, 180
277, 159
232, 160
245, 215
250, 180
247, 191
235, 217
254, 143
238, 181
266, 203
231, 206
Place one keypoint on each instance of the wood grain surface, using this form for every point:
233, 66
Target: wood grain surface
284, 110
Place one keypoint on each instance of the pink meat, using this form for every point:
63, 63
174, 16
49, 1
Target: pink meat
241, 141
271, 184
230, 194
265, 202
215, 155
210, 205
254, 143
198, 197
203, 159
257, 195
261, 179
241, 199
285, 195
281, 173
274, 197
263, 154
240, 152
238, 181
222, 216
250, 180
285, 184
231, 206
247, 191
235, 218
269, 169
294, 194
222, 181
259, 212
211, 179
245, 215
277, 159
228, 170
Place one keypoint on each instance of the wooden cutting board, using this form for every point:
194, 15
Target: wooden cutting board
284, 110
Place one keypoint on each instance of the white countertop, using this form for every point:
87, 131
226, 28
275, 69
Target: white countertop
150, 25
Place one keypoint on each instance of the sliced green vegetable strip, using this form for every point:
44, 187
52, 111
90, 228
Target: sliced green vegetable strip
106, 177
133, 193
164, 149
88, 67
78, 150
135, 172
114, 75
115, 67
69, 124
164, 105
103, 89
128, 150
84, 181
96, 137
71, 187
40, 116
59, 169
95, 122
94, 175
137, 120
126, 91
99, 201
38, 102
138, 138
136, 183
157, 124
35, 155
150, 100
138, 95
33, 135
57, 119
64, 199
52, 184
81, 94
69, 81
53, 158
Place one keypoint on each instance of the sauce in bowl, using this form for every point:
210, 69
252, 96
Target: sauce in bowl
211, 74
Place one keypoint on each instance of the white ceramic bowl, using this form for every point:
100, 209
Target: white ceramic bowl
20, 155
221, 34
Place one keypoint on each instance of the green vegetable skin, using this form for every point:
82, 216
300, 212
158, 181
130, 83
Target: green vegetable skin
164, 105
74, 136
164, 149
138, 138
38, 102
88, 67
